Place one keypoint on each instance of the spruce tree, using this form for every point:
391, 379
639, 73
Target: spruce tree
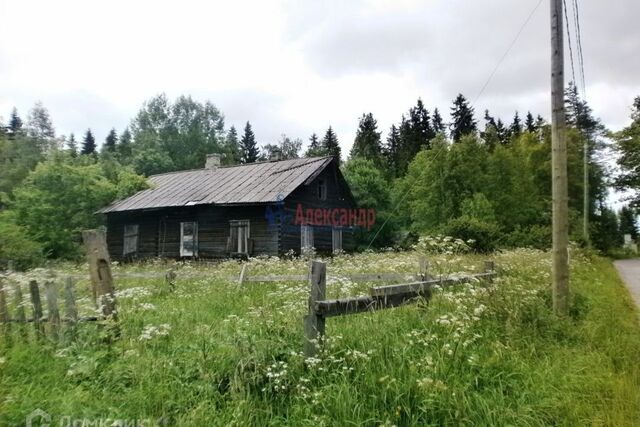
515, 130
391, 151
232, 147
463, 120
88, 144
530, 123
249, 145
110, 141
124, 146
72, 145
15, 123
39, 125
330, 144
367, 141
437, 123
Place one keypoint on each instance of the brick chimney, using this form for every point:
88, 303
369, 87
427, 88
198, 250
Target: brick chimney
213, 161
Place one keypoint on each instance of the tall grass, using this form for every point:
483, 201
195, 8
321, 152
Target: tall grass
212, 353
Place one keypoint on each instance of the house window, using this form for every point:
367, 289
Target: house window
188, 239
322, 189
306, 237
239, 237
336, 239
130, 239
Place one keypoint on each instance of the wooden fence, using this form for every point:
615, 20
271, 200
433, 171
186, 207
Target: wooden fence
102, 291
379, 298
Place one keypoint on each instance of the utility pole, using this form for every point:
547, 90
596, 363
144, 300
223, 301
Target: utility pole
585, 196
560, 271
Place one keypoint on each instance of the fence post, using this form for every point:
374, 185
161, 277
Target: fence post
51, 293
489, 267
424, 268
21, 318
37, 307
242, 274
4, 311
70, 311
100, 272
170, 280
314, 323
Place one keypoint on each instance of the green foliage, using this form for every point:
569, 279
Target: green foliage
179, 134
628, 223
16, 246
463, 122
209, 354
248, 145
481, 235
19, 154
330, 144
605, 231
88, 143
534, 236
58, 200
285, 149
628, 147
367, 141
370, 190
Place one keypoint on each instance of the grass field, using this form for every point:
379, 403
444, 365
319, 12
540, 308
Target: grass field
212, 353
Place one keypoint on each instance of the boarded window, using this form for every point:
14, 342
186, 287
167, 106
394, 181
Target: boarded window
130, 246
239, 236
189, 239
322, 189
306, 237
336, 239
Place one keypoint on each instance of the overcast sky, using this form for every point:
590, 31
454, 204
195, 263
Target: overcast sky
296, 67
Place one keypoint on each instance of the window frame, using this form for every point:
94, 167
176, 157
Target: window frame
322, 189
129, 235
306, 237
194, 239
336, 237
235, 225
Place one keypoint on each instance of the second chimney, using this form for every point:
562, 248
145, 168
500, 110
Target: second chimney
213, 161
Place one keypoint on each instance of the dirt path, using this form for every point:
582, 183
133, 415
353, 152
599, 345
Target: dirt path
629, 270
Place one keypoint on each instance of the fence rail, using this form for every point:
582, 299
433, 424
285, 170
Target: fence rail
379, 298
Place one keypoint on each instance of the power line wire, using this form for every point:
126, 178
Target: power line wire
484, 86
566, 18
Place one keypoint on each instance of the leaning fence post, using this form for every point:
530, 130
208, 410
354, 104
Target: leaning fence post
51, 292
313, 322
242, 274
37, 307
70, 311
100, 271
170, 280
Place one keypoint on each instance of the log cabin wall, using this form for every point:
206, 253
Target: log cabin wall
338, 196
159, 230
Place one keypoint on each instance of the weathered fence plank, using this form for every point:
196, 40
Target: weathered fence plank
70, 310
314, 322
53, 316
100, 271
37, 307
4, 310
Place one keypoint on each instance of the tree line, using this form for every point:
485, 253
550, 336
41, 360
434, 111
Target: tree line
488, 182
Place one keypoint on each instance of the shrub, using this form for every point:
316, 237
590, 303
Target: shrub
535, 236
16, 246
482, 236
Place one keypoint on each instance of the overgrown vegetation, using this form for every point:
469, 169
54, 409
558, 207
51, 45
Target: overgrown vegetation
214, 354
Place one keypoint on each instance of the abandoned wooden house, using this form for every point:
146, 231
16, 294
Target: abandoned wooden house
242, 210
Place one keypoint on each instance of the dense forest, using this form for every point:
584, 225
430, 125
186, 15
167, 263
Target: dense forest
473, 177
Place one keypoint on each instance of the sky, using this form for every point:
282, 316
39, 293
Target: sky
297, 67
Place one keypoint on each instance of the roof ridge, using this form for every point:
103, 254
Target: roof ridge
311, 160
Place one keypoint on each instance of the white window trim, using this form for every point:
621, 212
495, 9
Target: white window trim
183, 251
336, 237
130, 234
235, 225
306, 237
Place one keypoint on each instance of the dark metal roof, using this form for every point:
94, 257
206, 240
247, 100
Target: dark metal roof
261, 182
